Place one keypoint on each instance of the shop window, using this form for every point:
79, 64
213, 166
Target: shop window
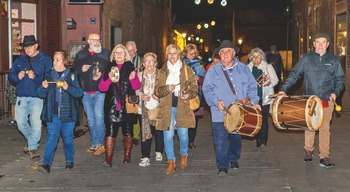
341, 34
23, 23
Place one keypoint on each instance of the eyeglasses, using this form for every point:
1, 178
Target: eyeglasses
95, 40
149, 61
119, 53
256, 57
192, 54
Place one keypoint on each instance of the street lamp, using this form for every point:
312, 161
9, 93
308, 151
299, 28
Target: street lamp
240, 41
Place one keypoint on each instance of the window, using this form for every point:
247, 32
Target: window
341, 34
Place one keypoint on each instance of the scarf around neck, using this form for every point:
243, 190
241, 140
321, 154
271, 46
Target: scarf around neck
174, 76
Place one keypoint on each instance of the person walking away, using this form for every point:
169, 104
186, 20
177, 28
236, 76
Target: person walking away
324, 77
274, 58
27, 73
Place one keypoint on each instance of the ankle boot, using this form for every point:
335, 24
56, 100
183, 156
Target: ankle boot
171, 167
183, 163
109, 147
127, 149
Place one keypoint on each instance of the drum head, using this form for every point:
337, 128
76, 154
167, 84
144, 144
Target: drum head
232, 118
151, 104
314, 113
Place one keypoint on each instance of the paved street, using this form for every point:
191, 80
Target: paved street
278, 167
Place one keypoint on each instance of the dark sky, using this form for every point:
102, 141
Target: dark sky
186, 11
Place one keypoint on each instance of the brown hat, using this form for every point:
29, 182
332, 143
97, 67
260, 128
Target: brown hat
28, 41
321, 35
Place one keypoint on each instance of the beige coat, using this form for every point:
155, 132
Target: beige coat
184, 116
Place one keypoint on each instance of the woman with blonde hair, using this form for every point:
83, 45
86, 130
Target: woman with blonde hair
175, 91
119, 80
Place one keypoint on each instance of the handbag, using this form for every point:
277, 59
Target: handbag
195, 102
152, 114
132, 103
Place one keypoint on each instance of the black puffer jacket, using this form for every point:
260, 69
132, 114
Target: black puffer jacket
117, 92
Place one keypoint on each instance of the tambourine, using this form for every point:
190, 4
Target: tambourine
96, 69
59, 83
115, 72
151, 104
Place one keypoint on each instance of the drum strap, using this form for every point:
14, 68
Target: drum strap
229, 81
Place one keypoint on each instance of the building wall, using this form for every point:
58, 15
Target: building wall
322, 19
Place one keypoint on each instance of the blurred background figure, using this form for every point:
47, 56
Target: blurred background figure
275, 59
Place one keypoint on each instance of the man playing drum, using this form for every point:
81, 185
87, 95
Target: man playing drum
323, 77
219, 95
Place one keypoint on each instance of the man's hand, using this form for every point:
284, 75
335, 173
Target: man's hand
257, 107
221, 106
85, 68
97, 76
31, 74
21, 75
45, 84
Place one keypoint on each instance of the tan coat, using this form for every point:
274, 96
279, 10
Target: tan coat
185, 116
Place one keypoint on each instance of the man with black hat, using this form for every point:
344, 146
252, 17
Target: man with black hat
323, 77
229, 81
27, 73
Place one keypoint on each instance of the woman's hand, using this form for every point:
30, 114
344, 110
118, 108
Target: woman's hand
44, 84
184, 96
132, 75
145, 97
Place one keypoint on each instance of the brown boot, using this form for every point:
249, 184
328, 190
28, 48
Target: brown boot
171, 167
127, 149
183, 163
109, 149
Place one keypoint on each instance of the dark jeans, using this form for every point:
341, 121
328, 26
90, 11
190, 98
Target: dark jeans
146, 145
262, 136
192, 132
227, 146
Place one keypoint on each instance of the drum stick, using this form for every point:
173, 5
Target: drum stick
337, 107
312, 108
275, 95
51, 82
227, 111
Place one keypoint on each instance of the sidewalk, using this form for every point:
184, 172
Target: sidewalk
278, 167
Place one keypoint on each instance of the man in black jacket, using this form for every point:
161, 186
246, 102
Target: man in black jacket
89, 63
323, 77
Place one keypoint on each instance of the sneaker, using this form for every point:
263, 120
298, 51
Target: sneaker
44, 168
222, 172
234, 165
308, 156
326, 163
191, 145
159, 156
262, 146
69, 165
144, 162
91, 149
34, 154
13, 124
99, 151
25, 149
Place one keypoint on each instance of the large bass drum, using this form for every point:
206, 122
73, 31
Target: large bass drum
297, 112
242, 119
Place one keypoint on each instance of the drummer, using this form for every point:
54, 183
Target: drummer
149, 103
219, 95
323, 77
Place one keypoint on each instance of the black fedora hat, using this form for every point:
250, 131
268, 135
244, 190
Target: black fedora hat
28, 41
227, 44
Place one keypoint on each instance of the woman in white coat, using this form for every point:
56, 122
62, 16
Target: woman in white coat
266, 79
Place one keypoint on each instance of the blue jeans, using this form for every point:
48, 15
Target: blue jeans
93, 107
32, 107
53, 134
169, 138
227, 146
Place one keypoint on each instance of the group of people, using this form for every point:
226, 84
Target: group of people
108, 82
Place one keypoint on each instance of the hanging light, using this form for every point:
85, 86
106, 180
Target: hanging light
199, 26
206, 25
212, 23
210, 1
223, 3
197, 2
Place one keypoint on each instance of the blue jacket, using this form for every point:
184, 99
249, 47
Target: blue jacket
217, 88
69, 103
322, 75
27, 87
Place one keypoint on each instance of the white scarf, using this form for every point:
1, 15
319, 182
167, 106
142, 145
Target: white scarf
174, 76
